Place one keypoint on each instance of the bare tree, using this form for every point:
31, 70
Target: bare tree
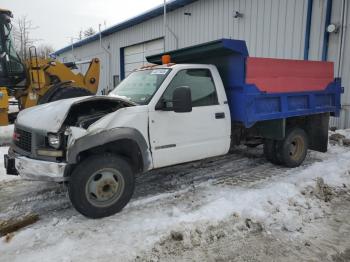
80, 36
89, 32
44, 50
22, 31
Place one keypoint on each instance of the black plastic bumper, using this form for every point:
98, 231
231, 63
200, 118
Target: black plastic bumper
10, 165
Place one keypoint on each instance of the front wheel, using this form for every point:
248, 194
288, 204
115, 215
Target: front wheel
101, 186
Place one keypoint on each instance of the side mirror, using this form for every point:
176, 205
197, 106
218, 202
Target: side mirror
182, 100
160, 105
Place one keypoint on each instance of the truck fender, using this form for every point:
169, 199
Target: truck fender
107, 136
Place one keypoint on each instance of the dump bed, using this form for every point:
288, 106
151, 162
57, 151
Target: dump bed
261, 89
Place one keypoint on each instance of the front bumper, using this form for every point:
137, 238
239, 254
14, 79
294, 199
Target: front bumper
32, 169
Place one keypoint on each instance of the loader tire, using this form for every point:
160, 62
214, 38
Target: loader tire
69, 92
101, 185
293, 148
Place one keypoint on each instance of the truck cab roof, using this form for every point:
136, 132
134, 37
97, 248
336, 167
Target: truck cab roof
175, 66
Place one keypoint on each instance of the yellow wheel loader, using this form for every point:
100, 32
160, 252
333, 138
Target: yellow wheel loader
38, 81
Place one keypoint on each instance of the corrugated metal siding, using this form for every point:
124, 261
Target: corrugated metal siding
272, 28
152, 29
346, 71
333, 48
345, 74
317, 29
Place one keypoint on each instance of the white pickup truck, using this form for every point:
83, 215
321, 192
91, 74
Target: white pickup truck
158, 116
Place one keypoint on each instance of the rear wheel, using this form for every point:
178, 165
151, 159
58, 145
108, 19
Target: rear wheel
270, 151
293, 148
101, 186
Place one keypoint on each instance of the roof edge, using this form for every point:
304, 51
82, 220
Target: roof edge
216, 48
152, 13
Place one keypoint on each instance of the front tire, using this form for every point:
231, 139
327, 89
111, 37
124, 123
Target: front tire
101, 185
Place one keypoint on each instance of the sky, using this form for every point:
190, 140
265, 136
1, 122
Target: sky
57, 21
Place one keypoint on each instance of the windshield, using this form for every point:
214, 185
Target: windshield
140, 86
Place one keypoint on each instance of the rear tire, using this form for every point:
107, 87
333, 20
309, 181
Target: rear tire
270, 151
101, 185
69, 92
293, 148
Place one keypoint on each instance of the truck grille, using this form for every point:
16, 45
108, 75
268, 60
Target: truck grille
23, 139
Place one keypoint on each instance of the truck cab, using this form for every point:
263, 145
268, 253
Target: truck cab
187, 114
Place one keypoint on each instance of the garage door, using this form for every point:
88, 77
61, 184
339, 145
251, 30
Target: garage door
135, 56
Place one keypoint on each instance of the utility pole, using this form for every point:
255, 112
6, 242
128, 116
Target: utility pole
168, 29
72, 44
164, 16
165, 25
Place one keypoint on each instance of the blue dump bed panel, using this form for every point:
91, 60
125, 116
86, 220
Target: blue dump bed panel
247, 103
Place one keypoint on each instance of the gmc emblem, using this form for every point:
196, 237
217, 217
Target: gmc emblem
16, 136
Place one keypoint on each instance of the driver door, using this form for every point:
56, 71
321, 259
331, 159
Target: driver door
183, 137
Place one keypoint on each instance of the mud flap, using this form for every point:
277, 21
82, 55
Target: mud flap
317, 129
272, 129
10, 165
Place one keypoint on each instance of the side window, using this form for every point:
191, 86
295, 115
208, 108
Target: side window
201, 84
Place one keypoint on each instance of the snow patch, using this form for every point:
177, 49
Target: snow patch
274, 203
6, 134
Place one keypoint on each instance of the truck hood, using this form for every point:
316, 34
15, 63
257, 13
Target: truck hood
50, 117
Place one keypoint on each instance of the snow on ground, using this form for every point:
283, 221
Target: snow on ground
344, 132
6, 134
6, 131
283, 205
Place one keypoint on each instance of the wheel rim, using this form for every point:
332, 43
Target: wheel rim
104, 187
296, 148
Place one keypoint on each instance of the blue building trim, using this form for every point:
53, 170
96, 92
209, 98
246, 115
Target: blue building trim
308, 29
122, 64
326, 34
159, 10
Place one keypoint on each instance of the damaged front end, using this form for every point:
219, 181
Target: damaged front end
85, 113
82, 115
43, 134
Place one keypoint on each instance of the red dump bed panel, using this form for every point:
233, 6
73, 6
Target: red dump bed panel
284, 75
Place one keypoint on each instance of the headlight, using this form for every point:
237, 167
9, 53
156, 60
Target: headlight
54, 141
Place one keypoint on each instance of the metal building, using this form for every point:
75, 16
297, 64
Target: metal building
295, 29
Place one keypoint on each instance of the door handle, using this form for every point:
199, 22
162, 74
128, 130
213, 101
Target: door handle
220, 115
